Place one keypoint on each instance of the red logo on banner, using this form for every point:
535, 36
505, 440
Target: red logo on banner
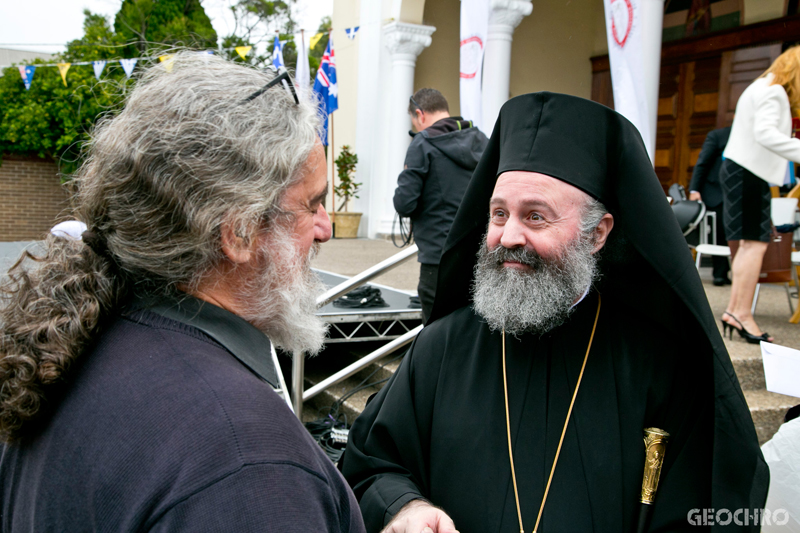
620, 11
471, 51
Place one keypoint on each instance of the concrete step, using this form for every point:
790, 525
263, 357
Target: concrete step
370, 379
768, 410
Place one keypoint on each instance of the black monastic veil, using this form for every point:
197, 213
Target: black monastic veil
437, 430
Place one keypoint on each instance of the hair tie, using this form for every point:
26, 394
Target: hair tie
96, 243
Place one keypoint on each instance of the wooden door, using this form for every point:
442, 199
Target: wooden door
739, 69
687, 111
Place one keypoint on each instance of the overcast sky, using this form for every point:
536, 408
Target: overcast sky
31, 24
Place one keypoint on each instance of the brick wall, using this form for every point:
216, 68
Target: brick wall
32, 198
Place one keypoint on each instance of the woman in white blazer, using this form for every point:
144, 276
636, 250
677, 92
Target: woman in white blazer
756, 157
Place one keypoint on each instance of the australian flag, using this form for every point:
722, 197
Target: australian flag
325, 87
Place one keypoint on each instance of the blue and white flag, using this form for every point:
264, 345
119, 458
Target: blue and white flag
277, 54
325, 87
26, 71
98, 68
351, 32
127, 66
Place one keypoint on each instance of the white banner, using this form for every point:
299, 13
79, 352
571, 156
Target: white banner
474, 28
624, 29
302, 73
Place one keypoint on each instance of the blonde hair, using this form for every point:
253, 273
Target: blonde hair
786, 72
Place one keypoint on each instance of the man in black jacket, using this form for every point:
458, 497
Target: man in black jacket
438, 166
705, 186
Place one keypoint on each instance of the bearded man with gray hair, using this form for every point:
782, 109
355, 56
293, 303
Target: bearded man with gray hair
569, 320
137, 385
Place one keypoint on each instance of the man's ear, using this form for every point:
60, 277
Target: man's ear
601, 231
239, 249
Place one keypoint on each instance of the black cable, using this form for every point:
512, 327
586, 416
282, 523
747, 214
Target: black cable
330, 431
406, 233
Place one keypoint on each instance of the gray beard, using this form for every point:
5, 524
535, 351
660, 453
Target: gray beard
531, 301
281, 300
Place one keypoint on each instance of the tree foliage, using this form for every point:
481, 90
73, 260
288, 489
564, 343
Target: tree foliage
316, 53
51, 120
256, 24
147, 25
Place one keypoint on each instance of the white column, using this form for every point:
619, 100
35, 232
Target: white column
504, 17
652, 25
404, 42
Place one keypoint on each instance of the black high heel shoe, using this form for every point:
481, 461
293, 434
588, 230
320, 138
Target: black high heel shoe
746, 335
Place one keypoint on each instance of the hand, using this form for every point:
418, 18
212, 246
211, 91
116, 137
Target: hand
695, 196
418, 516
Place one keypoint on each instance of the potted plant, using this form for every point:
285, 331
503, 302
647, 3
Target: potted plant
346, 223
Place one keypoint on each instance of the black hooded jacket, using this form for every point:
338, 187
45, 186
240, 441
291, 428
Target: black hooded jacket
438, 167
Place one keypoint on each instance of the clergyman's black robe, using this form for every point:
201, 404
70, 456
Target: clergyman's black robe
438, 430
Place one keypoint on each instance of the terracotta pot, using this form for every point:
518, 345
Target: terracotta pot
346, 224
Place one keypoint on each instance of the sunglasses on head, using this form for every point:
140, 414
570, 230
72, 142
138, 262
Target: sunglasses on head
284, 78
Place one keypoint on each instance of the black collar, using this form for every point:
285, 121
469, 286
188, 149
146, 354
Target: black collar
248, 344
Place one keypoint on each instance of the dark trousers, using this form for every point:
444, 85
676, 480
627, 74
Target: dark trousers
720, 266
427, 288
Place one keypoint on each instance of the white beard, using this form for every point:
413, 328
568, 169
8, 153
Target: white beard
536, 300
281, 300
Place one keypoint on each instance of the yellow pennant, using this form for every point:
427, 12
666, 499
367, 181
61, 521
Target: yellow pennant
167, 59
63, 68
315, 39
243, 50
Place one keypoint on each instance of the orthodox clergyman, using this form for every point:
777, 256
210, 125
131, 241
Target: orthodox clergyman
569, 319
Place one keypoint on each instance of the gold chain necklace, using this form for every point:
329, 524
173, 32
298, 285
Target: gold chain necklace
563, 431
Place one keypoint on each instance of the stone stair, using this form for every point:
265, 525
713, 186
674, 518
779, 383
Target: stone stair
766, 408
336, 357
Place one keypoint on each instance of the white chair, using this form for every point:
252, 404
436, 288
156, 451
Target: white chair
711, 249
783, 210
725, 251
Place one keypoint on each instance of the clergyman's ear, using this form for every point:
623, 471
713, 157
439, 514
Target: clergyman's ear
237, 248
601, 231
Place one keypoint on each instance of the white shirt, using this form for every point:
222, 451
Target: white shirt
761, 138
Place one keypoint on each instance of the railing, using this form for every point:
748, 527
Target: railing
298, 361
365, 361
370, 273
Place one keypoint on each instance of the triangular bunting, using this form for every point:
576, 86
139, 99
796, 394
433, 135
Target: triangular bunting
26, 71
351, 32
98, 68
63, 68
128, 65
243, 50
314, 40
168, 60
